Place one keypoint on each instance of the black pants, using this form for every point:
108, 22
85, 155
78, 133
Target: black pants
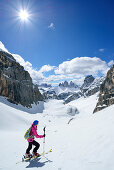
37, 145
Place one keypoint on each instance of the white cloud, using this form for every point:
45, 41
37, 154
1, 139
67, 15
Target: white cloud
79, 81
20, 60
101, 49
82, 66
59, 78
46, 68
38, 77
52, 78
75, 69
2, 47
111, 63
51, 26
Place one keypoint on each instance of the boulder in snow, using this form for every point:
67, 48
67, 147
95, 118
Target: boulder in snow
72, 110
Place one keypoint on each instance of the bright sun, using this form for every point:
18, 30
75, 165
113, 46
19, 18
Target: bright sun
23, 14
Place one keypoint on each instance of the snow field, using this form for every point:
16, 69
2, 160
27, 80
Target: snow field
86, 143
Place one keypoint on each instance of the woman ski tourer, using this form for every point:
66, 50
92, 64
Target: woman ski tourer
31, 141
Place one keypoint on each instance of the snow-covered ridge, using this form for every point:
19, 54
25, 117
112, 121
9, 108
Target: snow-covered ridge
61, 89
97, 82
2, 47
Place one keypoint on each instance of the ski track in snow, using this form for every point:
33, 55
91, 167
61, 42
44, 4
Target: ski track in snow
86, 143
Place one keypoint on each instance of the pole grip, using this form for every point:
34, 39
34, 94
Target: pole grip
44, 133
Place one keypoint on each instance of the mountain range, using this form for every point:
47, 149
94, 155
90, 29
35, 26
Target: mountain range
69, 91
16, 84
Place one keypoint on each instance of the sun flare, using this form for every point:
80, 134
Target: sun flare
23, 14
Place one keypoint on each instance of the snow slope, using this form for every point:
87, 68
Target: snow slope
85, 143
60, 90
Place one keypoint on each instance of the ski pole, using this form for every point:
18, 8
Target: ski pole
44, 140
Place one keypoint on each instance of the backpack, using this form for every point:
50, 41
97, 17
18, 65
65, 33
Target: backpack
27, 134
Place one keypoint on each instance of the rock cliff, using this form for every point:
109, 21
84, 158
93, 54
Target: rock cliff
106, 96
16, 83
87, 82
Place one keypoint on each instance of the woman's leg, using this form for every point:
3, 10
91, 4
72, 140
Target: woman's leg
29, 147
37, 145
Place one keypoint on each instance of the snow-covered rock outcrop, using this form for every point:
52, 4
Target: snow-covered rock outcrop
94, 86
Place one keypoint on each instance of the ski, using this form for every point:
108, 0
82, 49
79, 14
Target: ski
34, 157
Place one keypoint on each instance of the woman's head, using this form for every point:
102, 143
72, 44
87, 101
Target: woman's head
35, 122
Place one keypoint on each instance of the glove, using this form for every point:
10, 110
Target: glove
44, 135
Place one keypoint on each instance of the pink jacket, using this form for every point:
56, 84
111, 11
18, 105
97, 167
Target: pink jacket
34, 133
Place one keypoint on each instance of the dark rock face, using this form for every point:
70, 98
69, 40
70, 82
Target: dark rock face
87, 82
45, 85
73, 97
94, 87
63, 96
16, 83
106, 96
50, 95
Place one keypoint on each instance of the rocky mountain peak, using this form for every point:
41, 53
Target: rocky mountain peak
16, 83
69, 85
87, 82
89, 79
106, 96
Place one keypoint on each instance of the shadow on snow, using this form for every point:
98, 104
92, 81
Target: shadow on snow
35, 163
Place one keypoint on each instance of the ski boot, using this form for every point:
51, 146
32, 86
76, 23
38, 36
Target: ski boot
35, 154
28, 155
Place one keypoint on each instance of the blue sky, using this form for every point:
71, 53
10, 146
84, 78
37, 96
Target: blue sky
58, 36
